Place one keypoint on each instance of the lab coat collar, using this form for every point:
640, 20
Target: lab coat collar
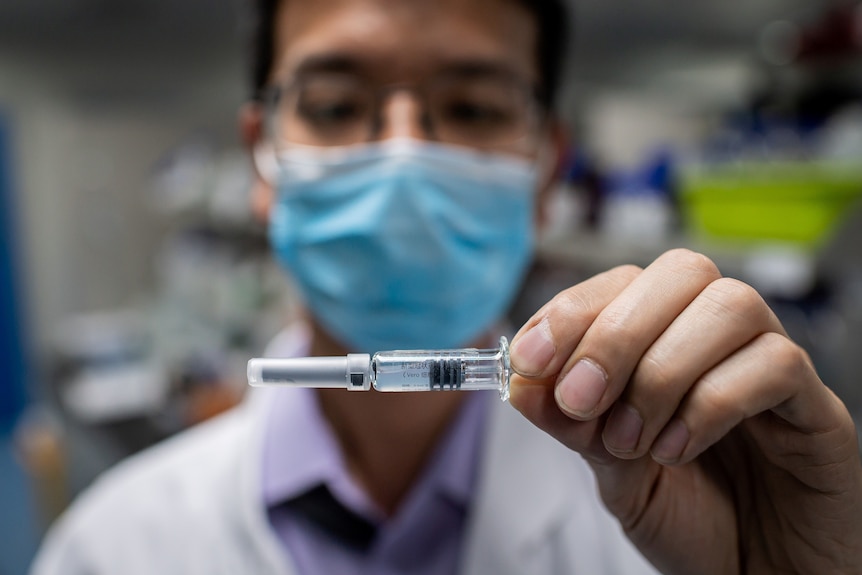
520, 506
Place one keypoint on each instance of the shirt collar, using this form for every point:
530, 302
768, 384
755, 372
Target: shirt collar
301, 451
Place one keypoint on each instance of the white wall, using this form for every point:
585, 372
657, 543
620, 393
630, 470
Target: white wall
82, 163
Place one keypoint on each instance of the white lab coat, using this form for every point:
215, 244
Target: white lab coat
192, 505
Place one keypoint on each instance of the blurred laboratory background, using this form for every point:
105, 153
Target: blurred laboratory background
135, 284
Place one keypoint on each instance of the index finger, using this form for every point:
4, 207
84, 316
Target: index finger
599, 368
542, 346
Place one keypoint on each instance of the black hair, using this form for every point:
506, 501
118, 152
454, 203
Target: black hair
552, 24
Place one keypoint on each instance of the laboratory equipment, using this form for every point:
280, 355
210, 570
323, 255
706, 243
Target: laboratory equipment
467, 369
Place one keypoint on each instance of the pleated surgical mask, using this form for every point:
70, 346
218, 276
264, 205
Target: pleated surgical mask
404, 244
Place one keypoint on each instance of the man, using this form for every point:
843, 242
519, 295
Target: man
404, 149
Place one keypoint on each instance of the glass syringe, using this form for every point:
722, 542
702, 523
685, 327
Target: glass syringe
465, 369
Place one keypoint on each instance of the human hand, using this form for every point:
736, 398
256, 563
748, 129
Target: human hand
710, 434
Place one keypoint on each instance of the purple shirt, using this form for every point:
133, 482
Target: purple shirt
423, 537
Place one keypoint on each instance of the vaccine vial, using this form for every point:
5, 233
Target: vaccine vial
459, 369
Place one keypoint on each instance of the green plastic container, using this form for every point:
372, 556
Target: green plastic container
797, 203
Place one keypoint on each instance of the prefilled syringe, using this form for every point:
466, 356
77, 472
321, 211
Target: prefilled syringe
467, 369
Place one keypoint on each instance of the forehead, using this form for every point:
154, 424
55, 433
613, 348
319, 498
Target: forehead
405, 40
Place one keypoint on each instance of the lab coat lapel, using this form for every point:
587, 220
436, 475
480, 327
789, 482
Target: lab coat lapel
524, 495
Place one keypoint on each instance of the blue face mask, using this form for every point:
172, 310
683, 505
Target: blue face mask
404, 244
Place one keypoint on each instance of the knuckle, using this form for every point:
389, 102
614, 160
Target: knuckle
692, 261
733, 296
574, 304
654, 374
787, 358
619, 277
627, 270
614, 325
739, 291
583, 302
714, 399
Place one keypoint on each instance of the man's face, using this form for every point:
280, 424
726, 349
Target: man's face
421, 43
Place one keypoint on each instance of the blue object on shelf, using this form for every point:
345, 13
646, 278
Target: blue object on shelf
13, 363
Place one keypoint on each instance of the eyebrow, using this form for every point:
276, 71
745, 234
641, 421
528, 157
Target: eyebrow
345, 63
479, 67
322, 63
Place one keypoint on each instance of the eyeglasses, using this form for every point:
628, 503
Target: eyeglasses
486, 111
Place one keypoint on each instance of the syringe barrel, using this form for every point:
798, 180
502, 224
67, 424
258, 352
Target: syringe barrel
348, 372
435, 370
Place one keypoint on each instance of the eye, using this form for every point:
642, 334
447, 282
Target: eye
470, 112
325, 110
330, 111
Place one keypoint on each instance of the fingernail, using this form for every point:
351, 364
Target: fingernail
671, 443
581, 390
623, 429
532, 353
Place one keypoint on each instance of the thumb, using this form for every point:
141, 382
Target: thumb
624, 485
534, 398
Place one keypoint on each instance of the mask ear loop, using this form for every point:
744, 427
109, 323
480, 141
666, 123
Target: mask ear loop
546, 158
553, 145
265, 162
547, 161
265, 153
